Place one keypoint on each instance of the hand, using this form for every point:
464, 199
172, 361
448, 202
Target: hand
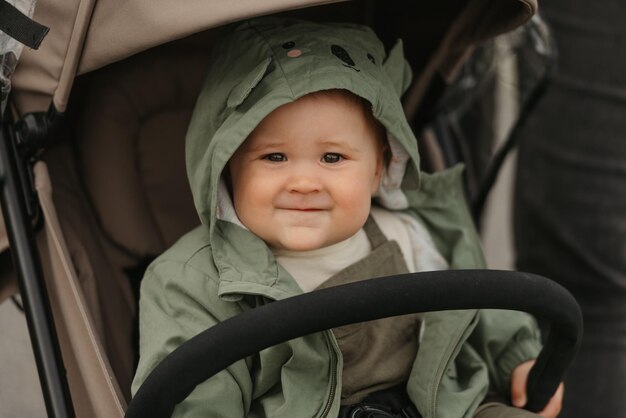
518, 391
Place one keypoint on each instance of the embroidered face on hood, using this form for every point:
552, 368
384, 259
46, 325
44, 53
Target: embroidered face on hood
269, 62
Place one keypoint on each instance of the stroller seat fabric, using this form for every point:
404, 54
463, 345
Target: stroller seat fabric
135, 120
131, 135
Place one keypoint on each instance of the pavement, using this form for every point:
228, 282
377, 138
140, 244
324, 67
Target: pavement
20, 391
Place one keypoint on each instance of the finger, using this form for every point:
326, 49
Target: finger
518, 384
553, 408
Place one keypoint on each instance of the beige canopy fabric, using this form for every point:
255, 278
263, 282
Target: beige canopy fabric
86, 34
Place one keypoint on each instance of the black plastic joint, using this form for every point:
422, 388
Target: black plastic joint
37, 130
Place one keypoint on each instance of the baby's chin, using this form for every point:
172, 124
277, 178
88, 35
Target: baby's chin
300, 244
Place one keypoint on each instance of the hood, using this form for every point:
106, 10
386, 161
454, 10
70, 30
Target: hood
267, 62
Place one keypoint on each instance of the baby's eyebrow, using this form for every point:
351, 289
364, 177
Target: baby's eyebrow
339, 143
263, 146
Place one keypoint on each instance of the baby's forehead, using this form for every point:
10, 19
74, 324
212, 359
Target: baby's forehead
333, 109
337, 98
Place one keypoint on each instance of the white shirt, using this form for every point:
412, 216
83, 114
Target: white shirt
312, 268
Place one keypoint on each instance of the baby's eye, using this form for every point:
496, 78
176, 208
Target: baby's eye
275, 157
332, 158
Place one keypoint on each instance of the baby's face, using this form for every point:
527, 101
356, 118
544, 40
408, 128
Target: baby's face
305, 176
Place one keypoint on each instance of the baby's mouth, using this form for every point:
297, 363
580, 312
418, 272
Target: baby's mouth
304, 209
302, 204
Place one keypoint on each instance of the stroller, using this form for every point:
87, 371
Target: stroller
88, 202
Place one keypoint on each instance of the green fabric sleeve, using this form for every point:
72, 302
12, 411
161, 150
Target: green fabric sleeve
177, 302
505, 339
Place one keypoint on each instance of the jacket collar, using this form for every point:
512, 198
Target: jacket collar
247, 266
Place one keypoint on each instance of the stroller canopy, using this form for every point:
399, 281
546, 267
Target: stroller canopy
87, 34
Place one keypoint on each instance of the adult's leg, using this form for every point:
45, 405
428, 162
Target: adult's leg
570, 199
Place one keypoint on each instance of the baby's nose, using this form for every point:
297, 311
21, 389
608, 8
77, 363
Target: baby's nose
305, 182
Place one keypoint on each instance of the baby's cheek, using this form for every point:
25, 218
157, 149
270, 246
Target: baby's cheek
357, 202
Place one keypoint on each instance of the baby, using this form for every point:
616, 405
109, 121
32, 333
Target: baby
298, 129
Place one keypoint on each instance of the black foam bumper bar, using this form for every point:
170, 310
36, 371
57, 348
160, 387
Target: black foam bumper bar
250, 332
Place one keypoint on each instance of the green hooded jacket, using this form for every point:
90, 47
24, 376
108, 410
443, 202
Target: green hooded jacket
220, 269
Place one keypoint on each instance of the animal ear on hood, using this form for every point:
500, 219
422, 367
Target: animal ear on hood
398, 68
241, 91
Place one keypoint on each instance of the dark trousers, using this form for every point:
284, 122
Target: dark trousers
570, 197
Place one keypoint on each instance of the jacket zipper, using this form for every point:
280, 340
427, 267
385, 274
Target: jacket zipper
333, 376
